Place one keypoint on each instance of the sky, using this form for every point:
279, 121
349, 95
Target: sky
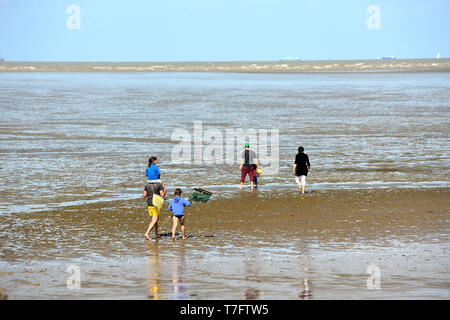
222, 30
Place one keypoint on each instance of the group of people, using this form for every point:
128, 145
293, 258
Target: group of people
249, 166
156, 187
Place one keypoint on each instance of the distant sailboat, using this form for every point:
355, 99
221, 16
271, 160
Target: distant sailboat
438, 56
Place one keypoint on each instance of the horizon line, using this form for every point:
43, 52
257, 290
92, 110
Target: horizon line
393, 58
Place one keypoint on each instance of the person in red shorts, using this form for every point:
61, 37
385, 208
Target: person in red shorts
248, 160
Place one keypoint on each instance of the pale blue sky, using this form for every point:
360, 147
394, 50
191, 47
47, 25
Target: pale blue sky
218, 30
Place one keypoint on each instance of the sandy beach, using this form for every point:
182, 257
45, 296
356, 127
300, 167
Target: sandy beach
258, 245
282, 66
75, 145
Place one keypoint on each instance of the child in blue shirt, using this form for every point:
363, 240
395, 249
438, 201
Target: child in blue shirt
177, 207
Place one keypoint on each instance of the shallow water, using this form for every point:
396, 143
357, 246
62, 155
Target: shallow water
84, 137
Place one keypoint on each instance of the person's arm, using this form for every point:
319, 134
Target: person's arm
187, 203
162, 192
257, 163
144, 194
307, 162
170, 206
242, 163
146, 172
295, 164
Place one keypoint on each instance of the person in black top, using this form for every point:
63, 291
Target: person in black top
301, 169
150, 189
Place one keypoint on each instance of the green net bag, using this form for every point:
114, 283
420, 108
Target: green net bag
200, 195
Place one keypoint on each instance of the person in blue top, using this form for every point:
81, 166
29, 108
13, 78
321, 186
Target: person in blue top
152, 170
177, 207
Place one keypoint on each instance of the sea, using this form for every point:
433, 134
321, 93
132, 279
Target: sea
80, 137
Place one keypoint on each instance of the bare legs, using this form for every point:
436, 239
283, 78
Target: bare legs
301, 187
242, 185
174, 227
301, 183
153, 224
182, 227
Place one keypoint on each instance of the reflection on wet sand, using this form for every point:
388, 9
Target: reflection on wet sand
252, 294
3, 296
179, 271
153, 278
251, 268
175, 287
306, 293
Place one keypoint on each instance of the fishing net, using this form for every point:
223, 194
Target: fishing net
200, 195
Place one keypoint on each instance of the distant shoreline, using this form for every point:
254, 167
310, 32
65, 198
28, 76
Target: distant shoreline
281, 66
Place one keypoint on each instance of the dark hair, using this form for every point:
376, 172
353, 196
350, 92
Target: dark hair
300, 149
151, 160
177, 191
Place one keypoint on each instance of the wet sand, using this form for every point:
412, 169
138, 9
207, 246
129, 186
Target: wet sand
255, 245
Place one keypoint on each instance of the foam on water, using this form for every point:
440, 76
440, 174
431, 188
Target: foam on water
409, 65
